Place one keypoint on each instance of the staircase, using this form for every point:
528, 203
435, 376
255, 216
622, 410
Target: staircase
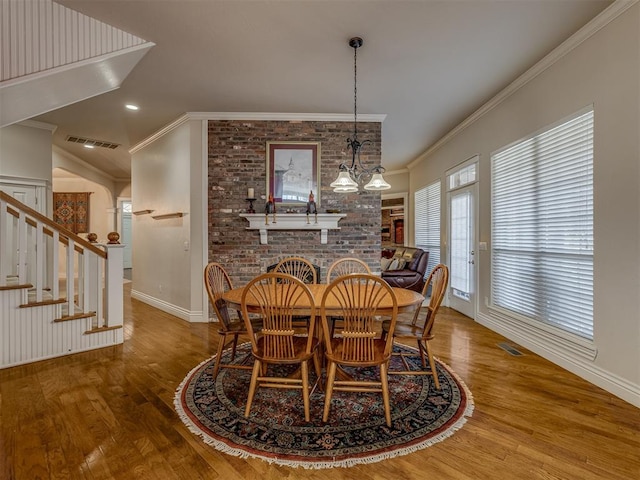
59, 294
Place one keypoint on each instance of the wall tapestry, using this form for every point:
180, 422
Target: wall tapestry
71, 210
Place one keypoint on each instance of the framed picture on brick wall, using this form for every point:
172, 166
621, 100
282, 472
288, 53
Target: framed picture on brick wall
293, 172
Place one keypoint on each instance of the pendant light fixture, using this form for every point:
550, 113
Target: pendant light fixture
351, 175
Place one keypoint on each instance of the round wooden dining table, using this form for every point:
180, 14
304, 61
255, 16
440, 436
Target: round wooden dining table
408, 300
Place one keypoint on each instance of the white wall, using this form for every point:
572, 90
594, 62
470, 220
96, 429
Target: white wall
25, 151
100, 216
168, 254
75, 165
100, 219
604, 70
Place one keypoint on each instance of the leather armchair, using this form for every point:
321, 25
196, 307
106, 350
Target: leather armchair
412, 275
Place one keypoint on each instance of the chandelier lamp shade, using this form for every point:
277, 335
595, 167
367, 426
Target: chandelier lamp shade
351, 176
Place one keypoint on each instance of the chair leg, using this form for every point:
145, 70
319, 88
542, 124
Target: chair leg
415, 315
385, 393
331, 376
432, 364
252, 386
304, 366
221, 344
422, 351
318, 368
233, 347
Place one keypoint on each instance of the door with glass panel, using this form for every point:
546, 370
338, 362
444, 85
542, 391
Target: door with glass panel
462, 253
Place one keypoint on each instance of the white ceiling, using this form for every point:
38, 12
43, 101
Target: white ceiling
427, 65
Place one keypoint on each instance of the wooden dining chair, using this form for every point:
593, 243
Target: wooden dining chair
358, 299
277, 342
302, 269
422, 332
299, 267
344, 266
217, 281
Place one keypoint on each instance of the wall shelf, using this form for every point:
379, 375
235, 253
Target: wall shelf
168, 215
142, 212
293, 221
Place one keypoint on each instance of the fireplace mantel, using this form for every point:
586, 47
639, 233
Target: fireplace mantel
293, 221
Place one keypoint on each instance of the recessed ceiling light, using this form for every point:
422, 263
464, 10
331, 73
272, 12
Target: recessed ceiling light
89, 146
131, 106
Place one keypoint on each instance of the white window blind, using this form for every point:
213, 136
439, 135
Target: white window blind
427, 222
542, 227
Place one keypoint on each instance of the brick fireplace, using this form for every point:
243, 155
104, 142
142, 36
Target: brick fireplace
237, 161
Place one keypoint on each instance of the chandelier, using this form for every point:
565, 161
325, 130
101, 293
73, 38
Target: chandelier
351, 176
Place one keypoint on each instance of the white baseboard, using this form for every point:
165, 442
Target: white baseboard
572, 362
183, 313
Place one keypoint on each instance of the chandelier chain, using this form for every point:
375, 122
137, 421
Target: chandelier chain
351, 175
355, 93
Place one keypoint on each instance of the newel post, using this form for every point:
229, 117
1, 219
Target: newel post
114, 313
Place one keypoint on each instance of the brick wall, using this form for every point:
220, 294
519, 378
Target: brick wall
237, 161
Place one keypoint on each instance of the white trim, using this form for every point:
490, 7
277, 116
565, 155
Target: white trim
287, 117
34, 182
42, 125
42, 190
256, 116
183, 313
572, 358
475, 159
406, 212
396, 172
603, 19
204, 198
160, 133
544, 334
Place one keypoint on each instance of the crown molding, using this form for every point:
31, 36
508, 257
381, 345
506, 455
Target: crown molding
288, 117
160, 133
397, 172
256, 116
602, 20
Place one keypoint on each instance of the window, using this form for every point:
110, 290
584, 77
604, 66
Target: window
463, 176
542, 227
427, 222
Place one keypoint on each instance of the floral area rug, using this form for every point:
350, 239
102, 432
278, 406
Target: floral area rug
355, 433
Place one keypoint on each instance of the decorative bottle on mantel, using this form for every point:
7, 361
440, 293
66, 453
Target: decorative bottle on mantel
270, 207
311, 207
311, 204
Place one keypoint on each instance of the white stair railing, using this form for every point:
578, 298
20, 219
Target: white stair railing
30, 255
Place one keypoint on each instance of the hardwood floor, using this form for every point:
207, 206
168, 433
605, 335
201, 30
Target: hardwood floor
108, 414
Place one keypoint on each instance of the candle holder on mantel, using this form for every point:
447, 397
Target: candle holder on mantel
250, 209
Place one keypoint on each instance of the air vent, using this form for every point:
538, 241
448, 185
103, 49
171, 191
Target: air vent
510, 349
95, 143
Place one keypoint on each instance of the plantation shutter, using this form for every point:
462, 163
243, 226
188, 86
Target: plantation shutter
542, 227
427, 222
